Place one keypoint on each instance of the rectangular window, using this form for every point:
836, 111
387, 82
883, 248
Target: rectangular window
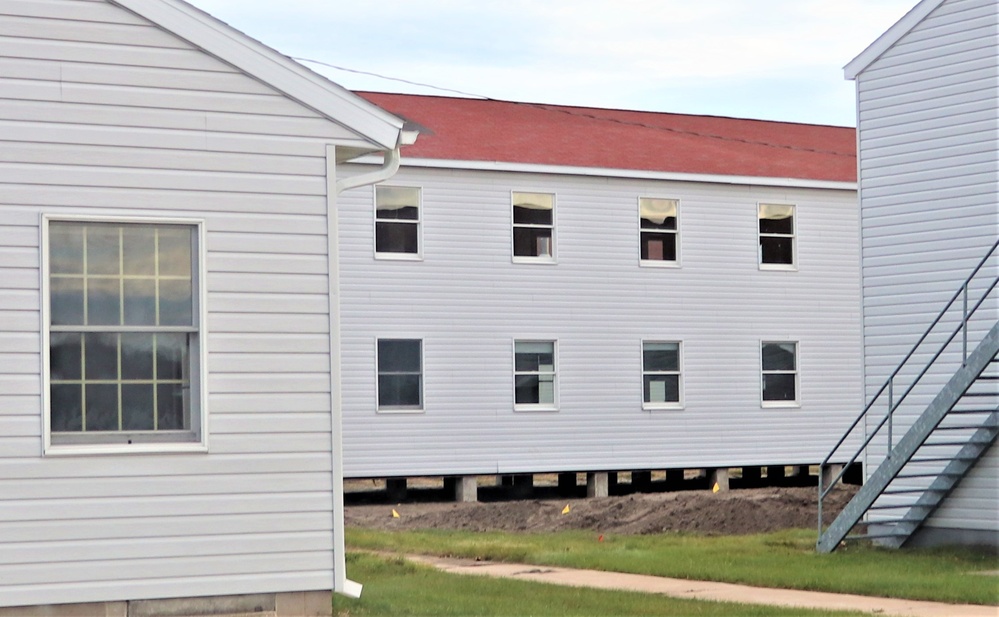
659, 231
661, 374
400, 374
124, 332
779, 362
397, 221
534, 226
534, 374
776, 236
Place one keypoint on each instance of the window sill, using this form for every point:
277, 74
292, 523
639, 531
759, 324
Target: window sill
133, 448
779, 267
657, 263
392, 411
399, 256
780, 405
662, 407
538, 408
544, 261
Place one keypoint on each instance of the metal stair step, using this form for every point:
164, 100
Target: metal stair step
942, 459
928, 475
876, 536
898, 506
909, 491
963, 427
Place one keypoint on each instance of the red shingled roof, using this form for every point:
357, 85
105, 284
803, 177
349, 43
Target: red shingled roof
499, 131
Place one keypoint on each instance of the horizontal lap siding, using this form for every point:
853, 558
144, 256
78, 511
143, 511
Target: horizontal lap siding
928, 128
103, 114
468, 302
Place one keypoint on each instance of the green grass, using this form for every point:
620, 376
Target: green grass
393, 586
785, 559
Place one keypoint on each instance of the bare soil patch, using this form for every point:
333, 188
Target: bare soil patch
743, 511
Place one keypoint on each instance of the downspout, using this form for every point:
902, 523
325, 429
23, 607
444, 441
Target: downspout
341, 584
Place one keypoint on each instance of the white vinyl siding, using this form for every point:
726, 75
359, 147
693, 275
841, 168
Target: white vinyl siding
928, 127
104, 115
599, 304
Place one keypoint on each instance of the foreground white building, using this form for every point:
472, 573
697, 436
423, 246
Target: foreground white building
559, 289
167, 272
928, 122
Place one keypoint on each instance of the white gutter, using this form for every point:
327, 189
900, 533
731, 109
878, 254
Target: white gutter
387, 170
341, 584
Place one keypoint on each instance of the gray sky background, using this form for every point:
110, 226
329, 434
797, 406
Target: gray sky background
769, 59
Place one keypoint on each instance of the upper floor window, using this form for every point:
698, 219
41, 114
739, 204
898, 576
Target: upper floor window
534, 375
776, 236
661, 375
397, 221
659, 231
779, 360
124, 332
534, 226
400, 374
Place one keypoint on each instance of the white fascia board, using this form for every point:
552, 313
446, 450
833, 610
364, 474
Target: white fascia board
369, 121
618, 173
891, 36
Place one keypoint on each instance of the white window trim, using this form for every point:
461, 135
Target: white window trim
423, 377
661, 406
418, 255
521, 259
50, 449
543, 407
793, 266
656, 263
796, 403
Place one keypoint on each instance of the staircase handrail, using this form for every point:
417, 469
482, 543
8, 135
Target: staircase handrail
888, 384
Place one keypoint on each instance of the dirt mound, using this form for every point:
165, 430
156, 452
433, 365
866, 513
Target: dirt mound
734, 512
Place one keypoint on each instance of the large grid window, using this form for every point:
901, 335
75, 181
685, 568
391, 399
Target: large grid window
659, 231
397, 221
779, 372
661, 375
776, 236
400, 374
123, 332
534, 374
534, 226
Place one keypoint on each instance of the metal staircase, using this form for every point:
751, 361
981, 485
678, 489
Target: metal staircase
947, 438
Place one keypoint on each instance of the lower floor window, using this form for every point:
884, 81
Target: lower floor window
400, 374
779, 372
661, 373
124, 332
534, 374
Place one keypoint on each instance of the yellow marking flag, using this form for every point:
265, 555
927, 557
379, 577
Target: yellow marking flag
715, 488
565, 510
394, 513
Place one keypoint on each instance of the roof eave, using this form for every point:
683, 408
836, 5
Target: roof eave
253, 57
890, 37
784, 182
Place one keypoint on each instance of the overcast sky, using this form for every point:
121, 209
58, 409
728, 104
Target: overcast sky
770, 59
